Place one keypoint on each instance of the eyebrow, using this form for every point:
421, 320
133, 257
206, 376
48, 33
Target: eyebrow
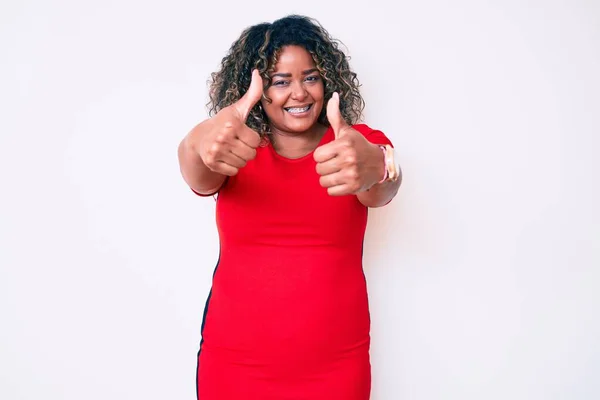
288, 75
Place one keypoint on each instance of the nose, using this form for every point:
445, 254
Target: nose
299, 92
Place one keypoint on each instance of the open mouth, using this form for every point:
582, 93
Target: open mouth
298, 110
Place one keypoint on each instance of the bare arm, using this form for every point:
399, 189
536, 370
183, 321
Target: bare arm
379, 194
218, 147
353, 165
195, 173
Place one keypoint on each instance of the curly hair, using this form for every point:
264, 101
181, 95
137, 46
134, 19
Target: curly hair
259, 47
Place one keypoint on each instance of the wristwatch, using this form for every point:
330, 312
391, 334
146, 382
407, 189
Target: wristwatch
392, 168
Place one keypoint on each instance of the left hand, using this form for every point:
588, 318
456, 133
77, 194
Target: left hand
350, 164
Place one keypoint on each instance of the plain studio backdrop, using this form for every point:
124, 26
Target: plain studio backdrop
483, 273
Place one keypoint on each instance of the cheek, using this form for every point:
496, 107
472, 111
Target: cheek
269, 107
278, 99
318, 95
317, 92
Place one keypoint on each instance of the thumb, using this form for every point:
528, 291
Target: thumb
334, 116
251, 97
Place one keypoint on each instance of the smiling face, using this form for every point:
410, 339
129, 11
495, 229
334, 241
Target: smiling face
296, 91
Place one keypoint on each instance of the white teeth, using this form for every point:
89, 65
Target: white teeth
295, 110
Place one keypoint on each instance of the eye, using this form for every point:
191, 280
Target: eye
312, 78
280, 83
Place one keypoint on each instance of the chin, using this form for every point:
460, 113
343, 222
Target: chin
300, 126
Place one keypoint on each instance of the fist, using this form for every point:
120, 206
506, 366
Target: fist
229, 144
350, 164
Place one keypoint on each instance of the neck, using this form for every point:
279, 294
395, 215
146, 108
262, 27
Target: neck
297, 142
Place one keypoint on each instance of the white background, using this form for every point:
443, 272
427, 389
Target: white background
483, 273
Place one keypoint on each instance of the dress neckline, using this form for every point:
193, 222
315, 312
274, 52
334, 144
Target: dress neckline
322, 141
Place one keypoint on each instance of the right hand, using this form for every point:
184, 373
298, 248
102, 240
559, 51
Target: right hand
229, 143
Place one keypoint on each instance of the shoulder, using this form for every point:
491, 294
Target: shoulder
363, 128
373, 135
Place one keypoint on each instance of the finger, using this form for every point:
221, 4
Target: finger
243, 151
326, 152
251, 97
331, 180
334, 116
225, 169
250, 137
232, 159
339, 190
328, 167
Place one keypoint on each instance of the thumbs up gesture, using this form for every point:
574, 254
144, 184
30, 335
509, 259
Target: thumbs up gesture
350, 164
229, 143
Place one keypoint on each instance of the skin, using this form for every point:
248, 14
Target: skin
295, 82
220, 146
351, 164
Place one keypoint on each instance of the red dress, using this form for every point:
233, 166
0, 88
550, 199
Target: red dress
288, 314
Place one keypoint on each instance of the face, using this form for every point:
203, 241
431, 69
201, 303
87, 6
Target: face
296, 92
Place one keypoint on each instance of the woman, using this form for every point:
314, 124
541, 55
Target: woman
294, 174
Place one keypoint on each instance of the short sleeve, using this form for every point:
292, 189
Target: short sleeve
374, 136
